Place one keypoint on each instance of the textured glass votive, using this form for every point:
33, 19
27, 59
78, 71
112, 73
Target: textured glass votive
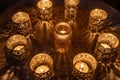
45, 9
17, 48
62, 36
41, 66
23, 22
71, 10
97, 19
84, 66
106, 46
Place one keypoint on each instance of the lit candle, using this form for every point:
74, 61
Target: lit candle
18, 48
44, 4
42, 69
82, 67
105, 45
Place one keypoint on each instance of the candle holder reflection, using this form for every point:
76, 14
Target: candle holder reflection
41, 66
23, 23
84, 66
97, 20
106, 47
62, 36
71, 10
17, 48
44, 27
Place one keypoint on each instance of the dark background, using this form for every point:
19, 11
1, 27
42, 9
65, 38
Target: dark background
6, 3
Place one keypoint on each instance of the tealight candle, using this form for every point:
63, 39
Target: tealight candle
62, 36
105, 45
18, 47
42, 69
22, 19
82, 67
97, 19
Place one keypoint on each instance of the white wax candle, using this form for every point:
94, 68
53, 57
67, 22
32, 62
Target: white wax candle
105, 45
41, 69
82, 67
18, 47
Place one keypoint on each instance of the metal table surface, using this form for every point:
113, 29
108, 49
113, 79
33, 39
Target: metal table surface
81, 42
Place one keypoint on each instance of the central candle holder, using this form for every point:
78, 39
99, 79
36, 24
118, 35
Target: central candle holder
106, 48
84, 66
62, 37
41, 66
17, 48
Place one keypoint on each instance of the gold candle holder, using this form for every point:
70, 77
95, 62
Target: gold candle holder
71, 10
45, 9
84, 66
23, 22
97, 19
106, 46
17, 48
62, 36
41, 66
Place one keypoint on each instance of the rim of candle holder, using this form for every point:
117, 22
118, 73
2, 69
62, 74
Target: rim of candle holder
103, 12
11, 43
76, 2
16, 16
40, 4
109, 38
63, 24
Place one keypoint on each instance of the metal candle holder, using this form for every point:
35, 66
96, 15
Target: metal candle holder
41, 66
23, 23
44, 27
71, 10
17, 48
106, 47
84, 66
97, 20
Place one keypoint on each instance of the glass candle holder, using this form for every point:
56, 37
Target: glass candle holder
84, 66
62, 36
17, 48
106, 46
41, 66
23, 22
45, 9
71, 10
97, 19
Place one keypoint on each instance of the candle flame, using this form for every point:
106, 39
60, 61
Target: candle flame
41, 70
